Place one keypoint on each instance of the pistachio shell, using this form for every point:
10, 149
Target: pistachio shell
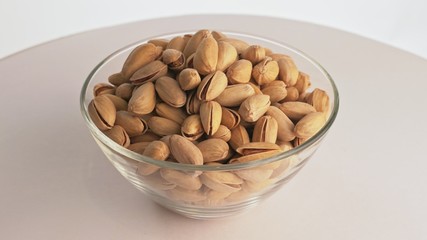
169, 91
221, 181
266, 71
156, 181
206, 56
227, 55
285, 125
218, 35
189, 79
185, 151
254, 174
175, 114
119, 103
139, 57
102, 112
162, 126
256, 147
230, 118
174, 59
117, 79
132, 124
276, 90
255, 156
194, 42
146, 137
303, 82
192, 105
254, 107
177, 43
239, 72
210, 115
292, 94
319, 99
234, 95
124, 91
222, 133
254, 54
143, 100
159, 42
310, 124
296, 110
103, 88
192, 128
265, 130
213, 149
181, 179
239, 44
118, 135
157, 150
182, 194
149, 72
288, 71
239, 137
212, 86
138, 147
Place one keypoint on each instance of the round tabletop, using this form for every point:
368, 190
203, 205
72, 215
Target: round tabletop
367, 181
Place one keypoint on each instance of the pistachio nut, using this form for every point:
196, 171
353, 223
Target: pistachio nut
146, 137
256, 88
149, 72
181, 179
218, 35
192, 128
102, 112
139, 57
210, 115
177, 43
213, 150
185, 151
175, 114
254, 174
124, 91
189, 79
296, 110
206, 56
288, 71
192, 105
309, 125
266, 71
230, 118
234, 95
255, 156
221, 181
156, 181
238, 44
239, 137
319, 99
285, 146
194, 42
174, 59
189, 63
227, 55
143, 100
117, 79
303, 82
292, 94
163, 126
159, 42
285, 125
138, 147
103, 88
239, 72
276, 90
133, 125
212, 86
157, 150
265, 130
222, 133
169, 91
257, 147
254, 54
119, 103
254, 107
118, 135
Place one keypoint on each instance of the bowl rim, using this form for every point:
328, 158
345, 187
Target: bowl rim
224, 167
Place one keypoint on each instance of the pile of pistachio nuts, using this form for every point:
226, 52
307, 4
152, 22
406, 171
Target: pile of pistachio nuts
207, 99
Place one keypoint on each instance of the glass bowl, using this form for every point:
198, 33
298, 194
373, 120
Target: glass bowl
258, 179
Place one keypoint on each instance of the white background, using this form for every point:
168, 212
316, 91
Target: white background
25, 23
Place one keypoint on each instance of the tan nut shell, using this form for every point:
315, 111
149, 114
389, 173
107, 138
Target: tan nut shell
210, 115
234, 95
118, 135
206, 56
212, 86
254, 107
169, 91
149, 72
102, 112
139, 57
213, 150
143, 100
310, 124
185, 151
162, 126
285, 125
133, 125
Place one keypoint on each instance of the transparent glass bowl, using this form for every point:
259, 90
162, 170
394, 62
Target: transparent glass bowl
260, 178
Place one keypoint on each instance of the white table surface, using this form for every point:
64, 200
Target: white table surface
367, 181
